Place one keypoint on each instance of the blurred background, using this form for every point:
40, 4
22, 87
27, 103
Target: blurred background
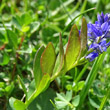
33, 23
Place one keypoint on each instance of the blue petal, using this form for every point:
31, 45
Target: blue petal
104, 26
100, 19
98, 32
106, 17
92, 56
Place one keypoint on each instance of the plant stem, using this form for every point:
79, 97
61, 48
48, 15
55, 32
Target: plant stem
75, 18
104, 100
97, 10
90, 78
82, 10
65, 9
81, 73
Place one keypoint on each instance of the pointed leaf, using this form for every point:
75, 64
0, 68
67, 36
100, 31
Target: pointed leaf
83, 37
36, 66
60, 58
22, 85
73, 48
48, 59
12, 37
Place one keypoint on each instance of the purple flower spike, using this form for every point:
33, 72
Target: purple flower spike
98, 34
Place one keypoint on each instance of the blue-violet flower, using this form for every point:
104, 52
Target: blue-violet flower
98, 34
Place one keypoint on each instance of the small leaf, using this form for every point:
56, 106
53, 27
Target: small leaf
25, 28
26, 18
83, 36
33, 27
60, 58
73, 48
6, 59
36, 66
48, 59
12, 37
22, 85
76, 100
16, 22
11, 102
19, 105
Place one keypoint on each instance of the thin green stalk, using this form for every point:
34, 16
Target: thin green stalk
65, 9
81, 73
82, 10
95, 12
90, 78
75, 18
60, 8
65, 15
104, 100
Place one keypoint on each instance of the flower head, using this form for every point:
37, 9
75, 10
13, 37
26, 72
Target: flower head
98, 34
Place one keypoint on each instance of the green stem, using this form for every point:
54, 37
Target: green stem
75, 18
104, 100
81, 73
65, 15
97, 10
82, 10
65, 9
91, 77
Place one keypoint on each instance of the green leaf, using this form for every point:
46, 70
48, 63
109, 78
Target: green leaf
73, 48
9, 88
22, 85
78, 86
19, 105
76, 100
83, 37
25, 28
94, 101
33, 27
6, 59
60, 58
16, 22
43, 101
44, 83
63, 100
11, 102
12, 37
26, 18
48, 58
36, 66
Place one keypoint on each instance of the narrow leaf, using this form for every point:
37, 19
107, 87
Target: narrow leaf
83, 36
48, 59
36, 66
22, 85
73, 48
60, 58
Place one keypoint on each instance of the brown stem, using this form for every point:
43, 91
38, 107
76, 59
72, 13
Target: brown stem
2, 47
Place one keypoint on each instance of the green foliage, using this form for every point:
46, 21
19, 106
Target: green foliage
38, 75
